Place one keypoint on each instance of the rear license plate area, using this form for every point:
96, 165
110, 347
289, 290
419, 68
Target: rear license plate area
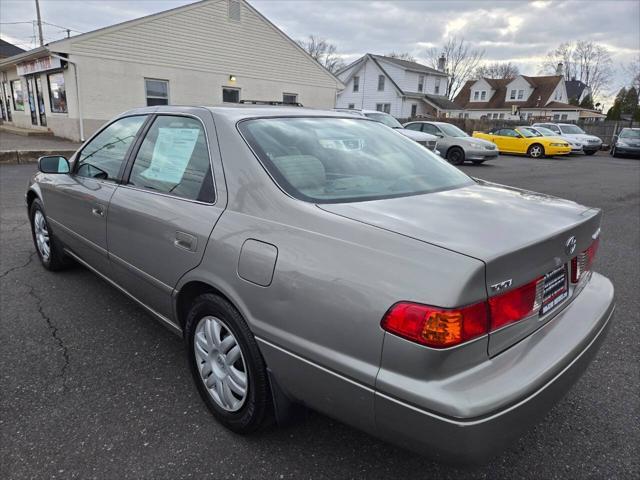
555, 289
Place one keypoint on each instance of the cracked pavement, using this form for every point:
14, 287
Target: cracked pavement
92, 387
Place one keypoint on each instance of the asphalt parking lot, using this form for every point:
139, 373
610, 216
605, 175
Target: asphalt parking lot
92, 387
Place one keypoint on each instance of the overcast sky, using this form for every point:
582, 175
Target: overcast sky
517, 31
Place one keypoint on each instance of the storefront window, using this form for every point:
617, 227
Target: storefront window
57, 92
18, 96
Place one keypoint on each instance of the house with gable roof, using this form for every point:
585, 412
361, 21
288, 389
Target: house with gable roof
400, 87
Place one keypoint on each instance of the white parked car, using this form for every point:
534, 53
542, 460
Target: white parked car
424, 139
590, 143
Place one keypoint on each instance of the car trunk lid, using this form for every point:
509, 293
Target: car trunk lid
519, 235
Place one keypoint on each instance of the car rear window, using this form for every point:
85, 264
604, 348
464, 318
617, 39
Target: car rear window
331, 160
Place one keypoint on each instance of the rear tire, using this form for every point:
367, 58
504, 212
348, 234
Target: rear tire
535, 151
455, 156
48, 248
591, 152
223, 352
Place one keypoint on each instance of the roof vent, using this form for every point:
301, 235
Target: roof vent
234, 10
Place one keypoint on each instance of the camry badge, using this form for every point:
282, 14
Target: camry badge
570, 246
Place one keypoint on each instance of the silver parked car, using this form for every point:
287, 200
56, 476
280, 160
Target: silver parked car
311, 257
576, 146
590, 143
456, 145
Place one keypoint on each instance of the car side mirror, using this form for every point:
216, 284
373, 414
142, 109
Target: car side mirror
439, 135
53, 164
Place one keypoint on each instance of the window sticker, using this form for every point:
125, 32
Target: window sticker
171, 154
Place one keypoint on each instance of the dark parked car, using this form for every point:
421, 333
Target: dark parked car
627, 142
315, 257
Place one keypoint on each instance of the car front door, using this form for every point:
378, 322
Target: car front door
77, 204
161, 217
443, 141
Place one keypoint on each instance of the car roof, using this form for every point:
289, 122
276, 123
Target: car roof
238, 112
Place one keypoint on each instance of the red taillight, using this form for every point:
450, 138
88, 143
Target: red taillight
436, 327
516, 304
583, 262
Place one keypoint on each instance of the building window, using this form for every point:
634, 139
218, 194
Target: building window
512, 95
414, 110
420, 83
230, 95
356, 83
351, 106
157, 92
234, 10
290, 98
501, 115
380, 83
564, 116
483, 95
383, 107
520, 94
476, 95
57, 93
495, 115
529, 115
18, 96
460, 115
466, 115
436, 89
556, 116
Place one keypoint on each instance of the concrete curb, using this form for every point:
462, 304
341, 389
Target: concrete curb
31, 156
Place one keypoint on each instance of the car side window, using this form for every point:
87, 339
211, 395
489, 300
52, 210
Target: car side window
508, 132
414, 126
103, 156
428, 128
174, 159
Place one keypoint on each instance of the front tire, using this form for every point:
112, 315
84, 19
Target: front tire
455, 156
47, 246
535, 151
226, 365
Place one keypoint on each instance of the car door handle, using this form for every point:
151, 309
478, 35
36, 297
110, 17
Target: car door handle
98, 211
186, 241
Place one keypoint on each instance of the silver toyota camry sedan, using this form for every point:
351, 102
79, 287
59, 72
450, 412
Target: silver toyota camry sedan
316, 258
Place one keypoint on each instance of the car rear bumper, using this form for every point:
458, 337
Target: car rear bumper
526, 381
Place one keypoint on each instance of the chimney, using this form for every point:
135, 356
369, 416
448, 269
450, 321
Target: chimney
560, 69
441, 62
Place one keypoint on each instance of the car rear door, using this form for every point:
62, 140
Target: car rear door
77, 204
161, 217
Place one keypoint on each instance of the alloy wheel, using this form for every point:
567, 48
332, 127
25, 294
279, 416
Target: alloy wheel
536, 151
221, 364
41, 232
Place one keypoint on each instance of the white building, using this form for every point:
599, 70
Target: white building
519, 98
205, 53
399, 87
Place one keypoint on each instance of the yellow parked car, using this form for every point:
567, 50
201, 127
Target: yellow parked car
520, 140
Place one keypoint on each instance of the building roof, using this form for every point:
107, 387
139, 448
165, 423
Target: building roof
440, 101
8, 49
543, 88
407, 65
575, 88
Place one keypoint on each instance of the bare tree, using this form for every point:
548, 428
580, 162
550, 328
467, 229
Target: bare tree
323, 52
586, 61
460, 62
498, 70
402, 56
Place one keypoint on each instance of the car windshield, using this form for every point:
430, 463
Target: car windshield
571, 129
529, 132
545, 132
384, 118
451, 130
332, 160
629, 133
525, 132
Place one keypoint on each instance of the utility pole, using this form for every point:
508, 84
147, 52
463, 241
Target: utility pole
39, 23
